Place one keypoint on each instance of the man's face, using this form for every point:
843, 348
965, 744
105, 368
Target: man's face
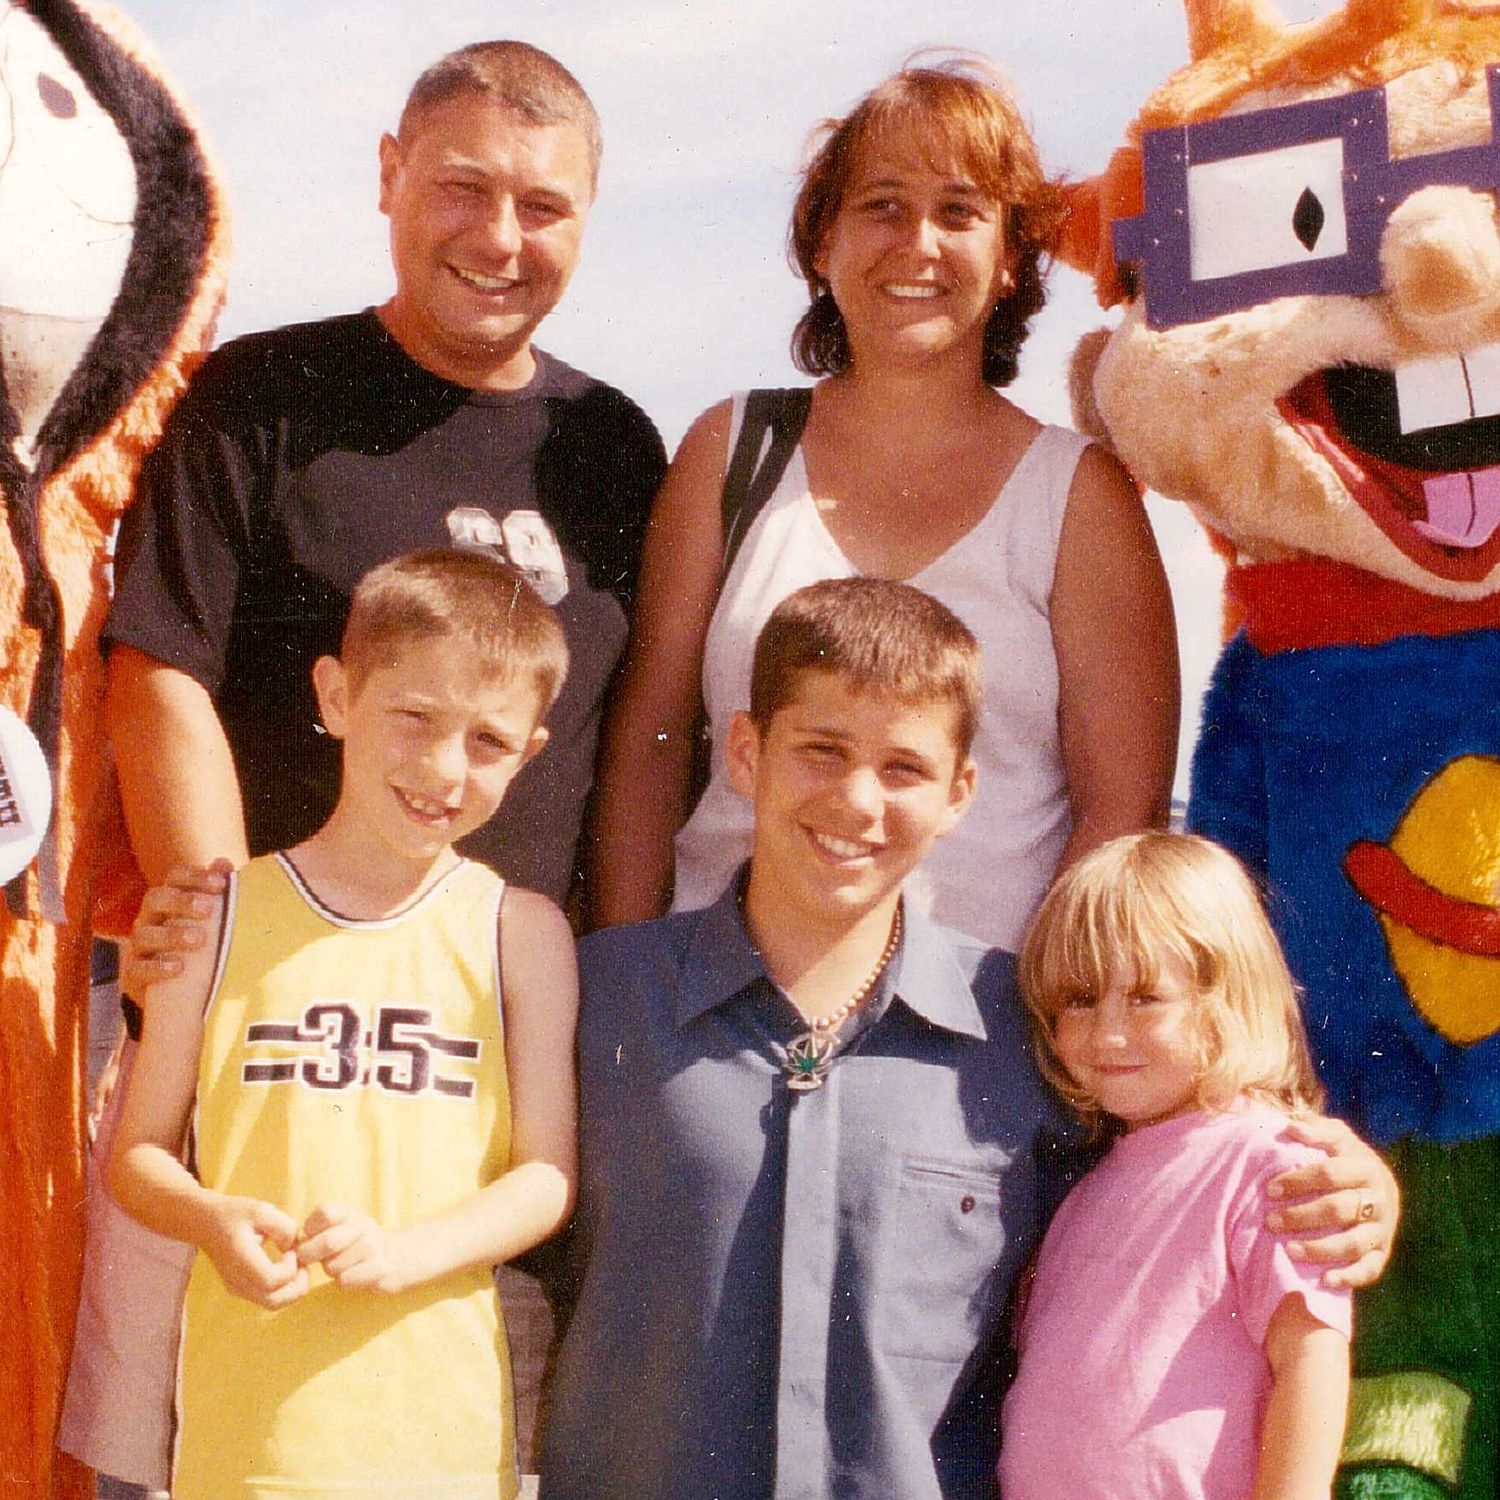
487, 214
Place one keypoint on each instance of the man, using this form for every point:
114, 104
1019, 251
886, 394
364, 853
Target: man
302, 457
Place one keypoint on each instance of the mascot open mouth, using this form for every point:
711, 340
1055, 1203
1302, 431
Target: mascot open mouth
1418, 449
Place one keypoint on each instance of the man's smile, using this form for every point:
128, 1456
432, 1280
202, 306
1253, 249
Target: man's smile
482, 283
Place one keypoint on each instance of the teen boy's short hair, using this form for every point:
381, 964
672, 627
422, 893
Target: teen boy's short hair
427, 596
1143, 895
880, 637
515, 75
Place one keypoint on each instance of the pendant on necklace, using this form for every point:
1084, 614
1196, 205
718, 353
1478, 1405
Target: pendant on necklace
808, 1058
810, 1053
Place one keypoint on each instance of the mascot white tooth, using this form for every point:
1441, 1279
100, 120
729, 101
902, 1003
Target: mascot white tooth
111, 256
1303, 233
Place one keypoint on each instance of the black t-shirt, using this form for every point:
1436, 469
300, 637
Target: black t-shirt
301, 458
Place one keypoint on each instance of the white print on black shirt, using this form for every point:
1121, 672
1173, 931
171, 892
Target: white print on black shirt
523, 539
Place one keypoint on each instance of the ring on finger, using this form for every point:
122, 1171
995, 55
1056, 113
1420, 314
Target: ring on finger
1366, 1210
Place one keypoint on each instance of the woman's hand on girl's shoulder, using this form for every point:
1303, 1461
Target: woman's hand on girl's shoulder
1343, 1206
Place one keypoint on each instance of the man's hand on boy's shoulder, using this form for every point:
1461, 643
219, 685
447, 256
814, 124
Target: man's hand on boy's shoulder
252, 1245
356, 1250
173, 920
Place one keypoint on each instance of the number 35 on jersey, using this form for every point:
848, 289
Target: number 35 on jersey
333, 1047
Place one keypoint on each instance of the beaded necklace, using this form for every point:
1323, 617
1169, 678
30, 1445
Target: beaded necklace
810, 1053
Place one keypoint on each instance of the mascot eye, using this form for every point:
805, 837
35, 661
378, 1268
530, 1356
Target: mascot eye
1273, 208
1308, 218
57, 98
68, 175
61, 141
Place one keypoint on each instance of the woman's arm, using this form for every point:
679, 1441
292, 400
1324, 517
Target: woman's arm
1303, 1428
250, 1242
535, 1195
646, 754
1116, 644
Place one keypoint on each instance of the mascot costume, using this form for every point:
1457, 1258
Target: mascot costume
1303, 232
111, 255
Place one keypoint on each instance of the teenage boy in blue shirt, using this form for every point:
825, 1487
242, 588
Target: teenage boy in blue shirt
815, 1149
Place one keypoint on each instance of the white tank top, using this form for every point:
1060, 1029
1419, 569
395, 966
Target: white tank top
988, 875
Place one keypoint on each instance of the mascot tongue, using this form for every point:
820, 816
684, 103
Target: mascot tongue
1463, 510
1435, 493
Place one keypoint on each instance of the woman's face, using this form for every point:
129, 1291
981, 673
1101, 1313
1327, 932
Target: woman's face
915, 259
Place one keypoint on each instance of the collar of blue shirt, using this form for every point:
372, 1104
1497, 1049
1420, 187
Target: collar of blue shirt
720, 962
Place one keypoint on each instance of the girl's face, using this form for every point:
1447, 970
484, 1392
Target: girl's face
915, 258
1134, 1049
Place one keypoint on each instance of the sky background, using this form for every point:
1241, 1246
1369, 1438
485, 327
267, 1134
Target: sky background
684, 292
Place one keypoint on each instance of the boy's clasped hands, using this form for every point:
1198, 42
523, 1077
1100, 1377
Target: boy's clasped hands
262, 1255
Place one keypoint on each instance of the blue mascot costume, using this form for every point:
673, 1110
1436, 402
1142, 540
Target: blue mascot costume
1303, 234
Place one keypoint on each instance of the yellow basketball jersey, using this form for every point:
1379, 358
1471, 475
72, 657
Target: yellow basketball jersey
360, 1063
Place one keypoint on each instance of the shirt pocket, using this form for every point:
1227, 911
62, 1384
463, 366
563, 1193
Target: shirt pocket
941, 1259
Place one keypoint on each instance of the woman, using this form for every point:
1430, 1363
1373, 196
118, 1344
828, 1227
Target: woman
919, 228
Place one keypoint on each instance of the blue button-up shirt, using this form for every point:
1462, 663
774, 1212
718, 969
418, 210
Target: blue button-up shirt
794, 1294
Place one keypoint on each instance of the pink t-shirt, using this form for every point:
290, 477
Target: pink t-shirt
1142, 1369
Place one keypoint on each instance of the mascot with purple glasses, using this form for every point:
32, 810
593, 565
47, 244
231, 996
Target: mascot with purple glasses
1303, 234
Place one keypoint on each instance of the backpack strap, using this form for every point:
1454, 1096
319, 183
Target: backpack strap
771, 429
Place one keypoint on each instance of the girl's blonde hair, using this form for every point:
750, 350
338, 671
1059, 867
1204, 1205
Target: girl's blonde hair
1138, 898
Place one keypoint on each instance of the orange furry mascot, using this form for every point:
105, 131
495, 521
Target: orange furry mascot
111, 256
1304, 235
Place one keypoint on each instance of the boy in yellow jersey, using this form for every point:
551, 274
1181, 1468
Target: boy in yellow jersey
371, 1074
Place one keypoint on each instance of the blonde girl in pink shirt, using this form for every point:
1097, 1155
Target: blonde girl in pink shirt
1170, 1346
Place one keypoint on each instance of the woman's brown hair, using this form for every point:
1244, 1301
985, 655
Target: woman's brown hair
953, 111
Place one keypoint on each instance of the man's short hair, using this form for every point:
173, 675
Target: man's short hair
515, 75
433, 596
881, 638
